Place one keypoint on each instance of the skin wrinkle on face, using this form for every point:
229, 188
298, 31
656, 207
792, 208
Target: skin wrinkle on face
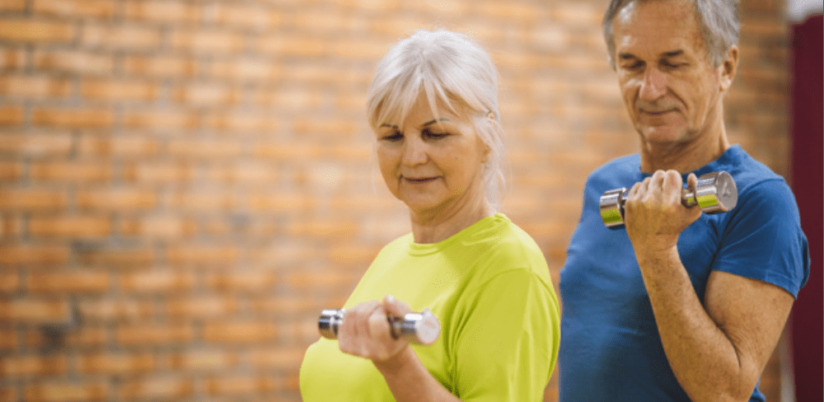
671, 91
432, 165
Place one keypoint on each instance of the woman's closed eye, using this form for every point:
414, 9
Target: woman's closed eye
429, 134
394, 136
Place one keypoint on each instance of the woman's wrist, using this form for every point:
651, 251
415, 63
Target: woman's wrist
396, 364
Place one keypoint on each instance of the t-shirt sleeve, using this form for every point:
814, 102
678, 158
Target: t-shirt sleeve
506, 347
764, 240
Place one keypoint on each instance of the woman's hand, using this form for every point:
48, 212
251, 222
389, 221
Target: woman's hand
366, 332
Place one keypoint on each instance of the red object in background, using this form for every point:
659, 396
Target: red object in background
806, 159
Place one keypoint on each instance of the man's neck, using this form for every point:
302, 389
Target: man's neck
686, 156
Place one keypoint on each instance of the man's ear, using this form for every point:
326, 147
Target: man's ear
728, 68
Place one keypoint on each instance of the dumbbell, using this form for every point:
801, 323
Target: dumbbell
714, 193
421, 328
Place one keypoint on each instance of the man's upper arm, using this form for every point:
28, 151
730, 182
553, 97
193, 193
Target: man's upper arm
752, 314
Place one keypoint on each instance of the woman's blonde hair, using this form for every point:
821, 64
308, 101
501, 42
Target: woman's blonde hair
450, 69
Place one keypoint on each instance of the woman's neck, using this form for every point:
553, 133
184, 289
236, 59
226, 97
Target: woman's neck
436, 226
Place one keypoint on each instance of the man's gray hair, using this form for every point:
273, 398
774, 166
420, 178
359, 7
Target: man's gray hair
452, 70
718, 20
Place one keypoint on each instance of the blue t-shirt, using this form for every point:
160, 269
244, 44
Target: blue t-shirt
610, 346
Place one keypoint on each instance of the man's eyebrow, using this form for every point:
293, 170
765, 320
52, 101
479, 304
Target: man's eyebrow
389, 125
673, 53
625, 56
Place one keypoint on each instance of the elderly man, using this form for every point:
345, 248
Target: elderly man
677, 305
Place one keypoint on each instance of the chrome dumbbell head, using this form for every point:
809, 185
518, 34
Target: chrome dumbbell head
714, 193
421, 328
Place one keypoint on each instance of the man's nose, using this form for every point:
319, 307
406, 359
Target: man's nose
653, 86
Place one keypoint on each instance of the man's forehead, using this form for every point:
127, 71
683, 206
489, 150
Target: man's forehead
665, 28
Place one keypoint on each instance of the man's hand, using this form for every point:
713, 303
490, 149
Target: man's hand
654, 216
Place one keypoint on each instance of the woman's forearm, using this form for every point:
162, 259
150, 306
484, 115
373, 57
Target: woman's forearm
409, 380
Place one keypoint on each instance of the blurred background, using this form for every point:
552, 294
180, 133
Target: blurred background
185, 184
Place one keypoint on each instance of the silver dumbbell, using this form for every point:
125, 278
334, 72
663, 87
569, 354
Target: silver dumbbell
421, 328
714, 193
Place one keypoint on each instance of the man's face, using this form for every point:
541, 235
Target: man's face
668, 84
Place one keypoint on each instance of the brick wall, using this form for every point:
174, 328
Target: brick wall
185, 184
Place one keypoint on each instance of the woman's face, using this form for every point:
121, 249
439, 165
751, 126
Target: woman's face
432, 166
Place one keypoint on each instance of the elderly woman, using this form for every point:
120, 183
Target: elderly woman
433, 107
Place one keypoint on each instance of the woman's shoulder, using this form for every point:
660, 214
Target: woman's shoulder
507, 247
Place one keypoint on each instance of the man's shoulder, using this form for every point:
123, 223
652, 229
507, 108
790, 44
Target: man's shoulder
620, 169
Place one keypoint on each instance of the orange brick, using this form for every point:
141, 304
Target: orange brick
12, 254
70, 226
120, 363
204, 149
278, 357
198, 360
122, 147
9, 283
156, 388
246, 70
116, 199
112, 256
207, 41
242, 172
35, 144
11, 116
8, 339
34, 311
202, 201
162, 11
243, 282
68, 282
13, 5
109, 310
202, 255
239, 331
206, 95
73, 391
12, 59
291, 98
158, 172
74, 8
85, 172
143, 334
240, 385
160, 66
292, 45
167, 120
31, 200
165, 281
200, 307
119, 90
169, 227
86, 336
36, 31
72, 118
257, 17
285, 305
293, 151
289, 202
323, 228
324, 279
241, 122
73, 61
120, 36
33, 86
24, 366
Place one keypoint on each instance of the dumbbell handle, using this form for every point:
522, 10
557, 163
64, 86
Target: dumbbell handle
714, 193
421, 328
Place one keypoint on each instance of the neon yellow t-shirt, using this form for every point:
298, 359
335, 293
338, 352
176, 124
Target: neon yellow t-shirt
489, 287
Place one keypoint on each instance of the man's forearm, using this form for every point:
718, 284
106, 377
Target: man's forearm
704, 359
